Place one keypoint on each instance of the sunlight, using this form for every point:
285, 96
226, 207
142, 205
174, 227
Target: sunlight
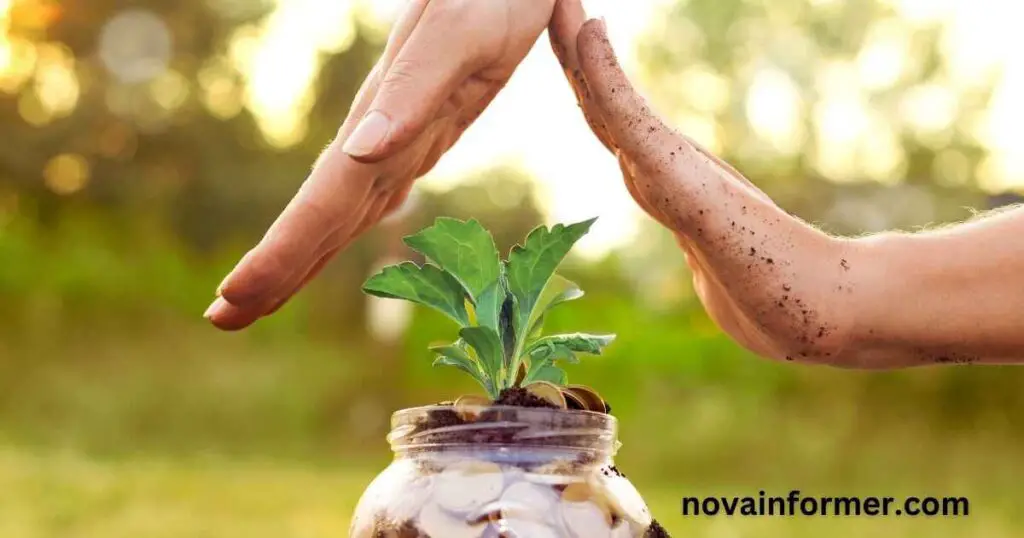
535, 123
925, 11
282, 58
6, 55
774, 109
929, 108
881, 62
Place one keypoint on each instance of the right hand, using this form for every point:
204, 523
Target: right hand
444, 62
776, 285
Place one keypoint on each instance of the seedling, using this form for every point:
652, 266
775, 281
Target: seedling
499, 306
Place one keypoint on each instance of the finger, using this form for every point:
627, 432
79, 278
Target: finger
629, 178
754, 189
400, 33
335, 189
381, 208
313, 273
423, 76
332, 196
681, 178
636, 130
566, 21
233, 317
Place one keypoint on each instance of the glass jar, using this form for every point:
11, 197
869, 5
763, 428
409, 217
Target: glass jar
497, 471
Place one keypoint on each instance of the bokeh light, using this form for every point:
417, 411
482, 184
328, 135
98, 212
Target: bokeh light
135, 46
66, 174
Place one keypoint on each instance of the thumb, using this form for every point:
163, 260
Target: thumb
638, 132
424, 74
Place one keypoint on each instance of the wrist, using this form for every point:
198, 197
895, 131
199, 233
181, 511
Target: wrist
874, 295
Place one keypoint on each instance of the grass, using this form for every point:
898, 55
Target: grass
178, 431
68, 495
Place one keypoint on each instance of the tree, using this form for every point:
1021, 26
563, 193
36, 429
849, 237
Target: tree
824, 103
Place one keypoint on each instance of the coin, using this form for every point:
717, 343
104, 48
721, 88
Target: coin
623, 497
527, 498
591, 400
468, 407
549, 392
465, 485
408, 502
435, 521
587, 519
578, 492
529, 528
573, 402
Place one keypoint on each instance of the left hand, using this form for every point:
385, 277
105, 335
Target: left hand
776, 285
444, 63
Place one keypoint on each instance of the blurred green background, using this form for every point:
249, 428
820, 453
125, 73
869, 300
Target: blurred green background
145, 145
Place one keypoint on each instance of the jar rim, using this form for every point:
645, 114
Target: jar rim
423, 409
441, 426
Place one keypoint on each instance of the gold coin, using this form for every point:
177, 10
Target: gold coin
573, 402
549, 392
592, 401
468, 407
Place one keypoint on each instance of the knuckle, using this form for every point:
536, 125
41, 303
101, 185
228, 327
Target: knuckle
265, 270
400, 75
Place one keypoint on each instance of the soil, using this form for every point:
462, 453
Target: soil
656, 531
520, 397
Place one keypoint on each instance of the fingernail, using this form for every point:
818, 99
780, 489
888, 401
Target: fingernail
215, 308
368, 136
220, 287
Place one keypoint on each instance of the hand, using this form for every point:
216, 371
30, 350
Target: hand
778, 286
444, 62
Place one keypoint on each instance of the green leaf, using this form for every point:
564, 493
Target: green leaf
487, 344
558, 290
457, 357
507, 329
466, 250
552, 352
551, 374
427, 285
531, 265
578, 342
488, 305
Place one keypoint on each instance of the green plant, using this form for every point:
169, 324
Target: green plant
498, 304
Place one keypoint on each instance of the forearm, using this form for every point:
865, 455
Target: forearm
954, 295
